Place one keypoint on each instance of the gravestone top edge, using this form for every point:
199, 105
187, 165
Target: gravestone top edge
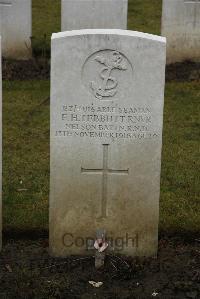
109, 31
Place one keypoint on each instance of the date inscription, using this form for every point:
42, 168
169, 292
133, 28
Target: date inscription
106, 122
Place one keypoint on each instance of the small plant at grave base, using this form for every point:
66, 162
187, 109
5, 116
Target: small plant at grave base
100, 245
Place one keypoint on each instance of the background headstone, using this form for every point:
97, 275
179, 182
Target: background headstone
91, 14
107, 93
0, 149
181, 27
16, 28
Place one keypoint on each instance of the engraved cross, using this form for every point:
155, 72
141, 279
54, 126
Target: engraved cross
105, 171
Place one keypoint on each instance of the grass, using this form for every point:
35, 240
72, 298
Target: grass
26, 135
180, 201
46, 18
143, 15
26, 156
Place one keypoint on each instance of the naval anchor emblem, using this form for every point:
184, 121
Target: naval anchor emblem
108, 85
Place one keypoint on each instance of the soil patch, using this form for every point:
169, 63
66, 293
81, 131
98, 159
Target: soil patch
27, 271
25, 69
185, 71
39, 69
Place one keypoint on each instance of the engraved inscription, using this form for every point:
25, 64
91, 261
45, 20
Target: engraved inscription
113, 122
108, 75
105, 171
108, 86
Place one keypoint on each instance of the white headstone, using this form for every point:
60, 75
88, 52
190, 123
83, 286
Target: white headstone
107, 93
181, 27
0, 149
16, 28
92, 14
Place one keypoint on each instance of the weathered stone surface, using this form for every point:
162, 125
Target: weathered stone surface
181, 27
16, 28
107, 90
92, 14
0, 149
